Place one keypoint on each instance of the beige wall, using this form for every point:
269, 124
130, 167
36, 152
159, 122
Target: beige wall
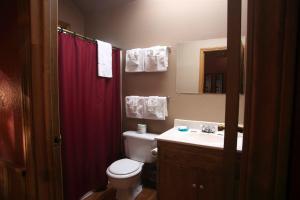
144, 23
71, 14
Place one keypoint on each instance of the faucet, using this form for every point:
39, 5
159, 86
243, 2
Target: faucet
208, 129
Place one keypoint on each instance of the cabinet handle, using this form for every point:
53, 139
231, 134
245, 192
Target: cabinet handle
194, 185
201, 187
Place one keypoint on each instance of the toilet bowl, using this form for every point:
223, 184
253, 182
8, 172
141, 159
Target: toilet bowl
125, 174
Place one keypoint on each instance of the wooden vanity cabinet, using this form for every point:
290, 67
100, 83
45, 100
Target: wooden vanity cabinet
187, 172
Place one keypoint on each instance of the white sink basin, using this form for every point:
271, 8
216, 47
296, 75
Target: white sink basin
198, 138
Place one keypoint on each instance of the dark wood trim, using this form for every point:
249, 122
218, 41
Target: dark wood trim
53, 97
248, 93
44, 100
289, 59
232, 96
272, 28
294, 164
31, 191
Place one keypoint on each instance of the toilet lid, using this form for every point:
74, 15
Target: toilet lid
124, 166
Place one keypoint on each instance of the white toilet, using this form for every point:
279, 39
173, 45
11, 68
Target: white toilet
125, 175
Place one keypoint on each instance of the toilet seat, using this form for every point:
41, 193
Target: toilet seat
124, 168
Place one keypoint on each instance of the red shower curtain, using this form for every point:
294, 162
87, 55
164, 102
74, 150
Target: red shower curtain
90, 116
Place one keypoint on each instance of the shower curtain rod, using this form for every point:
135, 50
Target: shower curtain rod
60, 29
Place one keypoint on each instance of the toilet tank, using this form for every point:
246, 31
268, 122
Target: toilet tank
138, 146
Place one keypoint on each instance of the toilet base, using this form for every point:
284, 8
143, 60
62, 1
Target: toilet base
129, 193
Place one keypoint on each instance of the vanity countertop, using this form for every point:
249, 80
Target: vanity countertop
198, 138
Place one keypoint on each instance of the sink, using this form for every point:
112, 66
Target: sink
196, 137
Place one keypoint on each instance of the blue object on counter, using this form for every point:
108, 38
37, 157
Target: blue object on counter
183, 128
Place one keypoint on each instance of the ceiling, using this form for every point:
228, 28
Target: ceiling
98, 5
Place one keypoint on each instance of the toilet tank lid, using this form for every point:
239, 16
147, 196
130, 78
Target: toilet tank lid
145, 136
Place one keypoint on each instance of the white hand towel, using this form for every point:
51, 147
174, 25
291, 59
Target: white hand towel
104, 59
134, 60
134, 106
155, 108
156, 59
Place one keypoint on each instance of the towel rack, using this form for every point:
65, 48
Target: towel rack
62, 30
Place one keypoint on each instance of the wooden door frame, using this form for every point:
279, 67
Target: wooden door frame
44, 177
234, 44
271, 62
265, 139
294, 164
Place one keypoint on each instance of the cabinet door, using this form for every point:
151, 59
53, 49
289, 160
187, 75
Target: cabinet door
177, 182
209, 185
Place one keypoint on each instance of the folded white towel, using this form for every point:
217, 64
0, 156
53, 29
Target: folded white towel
104, 59
155, 108
134, 106
135, 60
156, 59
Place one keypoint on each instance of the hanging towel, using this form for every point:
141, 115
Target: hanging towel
104, 59
134, 60
134, 106
155, 108
156, 59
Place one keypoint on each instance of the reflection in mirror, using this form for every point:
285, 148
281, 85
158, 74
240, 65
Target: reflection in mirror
214, 63
201, 67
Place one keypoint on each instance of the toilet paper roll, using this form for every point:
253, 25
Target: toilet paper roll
141, 128
154, 152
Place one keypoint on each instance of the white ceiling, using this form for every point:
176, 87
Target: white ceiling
87, 6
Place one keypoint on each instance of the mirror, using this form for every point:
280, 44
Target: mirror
201, 67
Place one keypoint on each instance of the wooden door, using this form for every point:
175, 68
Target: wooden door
29, 157
232, 96
177, 182
271, 65
12, 60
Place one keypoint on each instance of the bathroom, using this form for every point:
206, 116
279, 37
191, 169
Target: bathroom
148, 99
142, 24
